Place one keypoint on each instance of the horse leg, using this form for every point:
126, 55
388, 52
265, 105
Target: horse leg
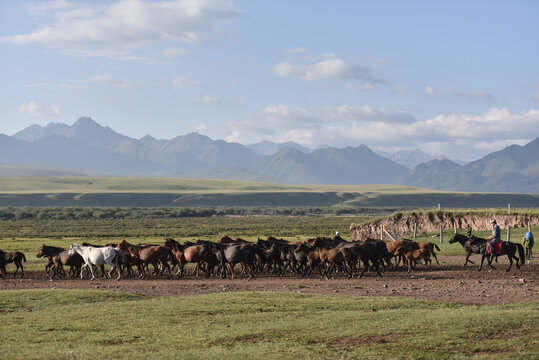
82, 267
91, 266
510, 262
482, 260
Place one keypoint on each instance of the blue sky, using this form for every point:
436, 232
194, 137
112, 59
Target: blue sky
456, 78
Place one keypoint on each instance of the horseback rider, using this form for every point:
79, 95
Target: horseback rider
527, 242
495, 237
468, 231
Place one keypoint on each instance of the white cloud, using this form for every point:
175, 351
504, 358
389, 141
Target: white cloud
359, 88
183, 81
332, 69
469, 94
201, 127
205, 99
297, 50
125, 25
109, 79
172, 52
35, 109
461, 134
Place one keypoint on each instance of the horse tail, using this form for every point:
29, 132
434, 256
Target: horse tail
436, 246
23, 257
521, 255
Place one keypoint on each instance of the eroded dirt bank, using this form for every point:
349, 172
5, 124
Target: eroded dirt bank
401, 225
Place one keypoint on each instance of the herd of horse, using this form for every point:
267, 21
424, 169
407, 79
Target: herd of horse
323, 255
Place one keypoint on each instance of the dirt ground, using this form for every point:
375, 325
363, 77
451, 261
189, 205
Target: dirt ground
447, 282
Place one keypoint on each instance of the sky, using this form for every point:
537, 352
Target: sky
457, 79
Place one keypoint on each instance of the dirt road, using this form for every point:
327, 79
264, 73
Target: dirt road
447, 282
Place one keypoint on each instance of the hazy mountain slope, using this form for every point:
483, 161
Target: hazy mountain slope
269, 148
89, 147
330, 166
408, 158
36, 132
513, 169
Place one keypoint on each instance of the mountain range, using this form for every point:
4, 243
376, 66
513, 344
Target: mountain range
86, 147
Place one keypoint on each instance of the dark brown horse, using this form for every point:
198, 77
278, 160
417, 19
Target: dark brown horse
58, 257
153, 254
2, 264
17, 258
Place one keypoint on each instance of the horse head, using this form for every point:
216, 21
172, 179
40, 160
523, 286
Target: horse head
72, 250
40, 252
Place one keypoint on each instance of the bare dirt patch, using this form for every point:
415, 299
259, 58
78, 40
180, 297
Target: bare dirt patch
446, 282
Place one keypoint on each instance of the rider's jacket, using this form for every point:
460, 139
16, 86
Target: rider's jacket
496, 236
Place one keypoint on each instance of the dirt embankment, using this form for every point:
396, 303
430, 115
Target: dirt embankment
401, 225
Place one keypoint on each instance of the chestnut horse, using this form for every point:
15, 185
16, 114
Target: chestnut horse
153, 254
412, 256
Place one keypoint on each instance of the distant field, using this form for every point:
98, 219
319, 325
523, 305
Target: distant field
154, 192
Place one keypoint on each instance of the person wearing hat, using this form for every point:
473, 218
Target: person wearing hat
495, 238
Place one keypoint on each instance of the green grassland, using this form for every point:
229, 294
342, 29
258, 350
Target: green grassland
27, 235
63, 324
83, 191
175, 185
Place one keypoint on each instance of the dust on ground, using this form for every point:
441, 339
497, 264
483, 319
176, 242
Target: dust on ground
449, 281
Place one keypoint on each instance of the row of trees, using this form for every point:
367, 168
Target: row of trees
101, 213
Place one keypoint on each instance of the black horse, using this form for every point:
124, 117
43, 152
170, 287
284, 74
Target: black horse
471, 245
508, 248
233, 254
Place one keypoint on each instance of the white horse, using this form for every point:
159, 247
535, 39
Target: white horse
94, 256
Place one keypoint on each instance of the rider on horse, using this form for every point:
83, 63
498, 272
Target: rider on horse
495, 238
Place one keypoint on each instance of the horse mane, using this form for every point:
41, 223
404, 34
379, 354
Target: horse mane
52, 250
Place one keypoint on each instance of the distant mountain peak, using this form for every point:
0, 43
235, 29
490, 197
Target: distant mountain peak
147, 137
85, 121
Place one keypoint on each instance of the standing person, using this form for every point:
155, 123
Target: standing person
527, 243
495, 237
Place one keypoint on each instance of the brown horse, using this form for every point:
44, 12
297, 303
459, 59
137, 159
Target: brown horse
407, 245
153, 254
412, 256
17, 258
329, 259
189, 253
431, 247
58, 257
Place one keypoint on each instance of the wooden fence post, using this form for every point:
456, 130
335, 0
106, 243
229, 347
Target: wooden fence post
455, 227
508, 207
381, 232
415, 229
441, 234
388, 234
529, 227
508, 233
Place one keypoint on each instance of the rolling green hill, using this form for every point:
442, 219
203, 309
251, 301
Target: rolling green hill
77, 191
